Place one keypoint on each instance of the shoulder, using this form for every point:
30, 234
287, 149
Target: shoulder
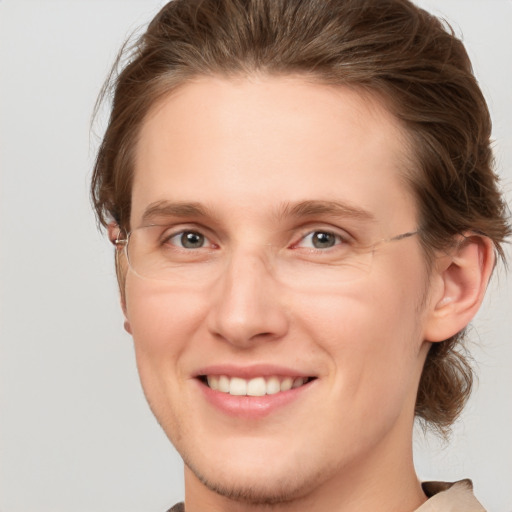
443, 497
179, 507
450, 497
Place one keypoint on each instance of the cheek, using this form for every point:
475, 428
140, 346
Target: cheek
163, 320
371, 332
161, 317
361, 318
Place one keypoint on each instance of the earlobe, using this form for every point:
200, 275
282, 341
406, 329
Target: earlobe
459, 285
127, 327
113, 230
113, 235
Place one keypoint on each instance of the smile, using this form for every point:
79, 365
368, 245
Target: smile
258, 386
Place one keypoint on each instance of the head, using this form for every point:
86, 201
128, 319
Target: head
388, 63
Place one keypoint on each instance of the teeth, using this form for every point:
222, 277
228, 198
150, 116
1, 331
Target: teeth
238, 386
223, 384
258, 386
297, 383
213, 381
286, 384
273, 386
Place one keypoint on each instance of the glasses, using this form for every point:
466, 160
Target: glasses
318, 258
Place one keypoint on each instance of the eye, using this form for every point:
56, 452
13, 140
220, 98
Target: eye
188, 240
320, 240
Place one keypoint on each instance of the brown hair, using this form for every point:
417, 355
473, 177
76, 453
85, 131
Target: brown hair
388, 47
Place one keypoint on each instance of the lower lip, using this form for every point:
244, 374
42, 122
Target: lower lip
252, 407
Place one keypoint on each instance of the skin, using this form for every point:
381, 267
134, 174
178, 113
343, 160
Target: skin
257, 294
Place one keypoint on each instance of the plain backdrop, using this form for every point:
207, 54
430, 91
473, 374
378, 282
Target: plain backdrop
75, 432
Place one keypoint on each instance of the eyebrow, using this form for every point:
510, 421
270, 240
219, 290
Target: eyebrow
308, 208
173, 209
311, 208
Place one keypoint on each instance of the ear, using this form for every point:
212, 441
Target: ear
113, 235
458, 283
113, 231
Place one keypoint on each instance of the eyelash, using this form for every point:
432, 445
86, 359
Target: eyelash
339, 239
167, 239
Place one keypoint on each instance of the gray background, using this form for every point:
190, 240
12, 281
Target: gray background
75, 432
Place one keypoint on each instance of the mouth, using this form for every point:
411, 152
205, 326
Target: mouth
256, 386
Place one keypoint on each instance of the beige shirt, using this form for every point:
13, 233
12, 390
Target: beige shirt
443, 497
450, 497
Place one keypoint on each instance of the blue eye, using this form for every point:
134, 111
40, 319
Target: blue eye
320, 240
188, 240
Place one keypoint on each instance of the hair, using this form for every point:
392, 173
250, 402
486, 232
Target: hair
390, 48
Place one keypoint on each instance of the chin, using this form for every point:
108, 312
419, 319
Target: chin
277, 479
252, 487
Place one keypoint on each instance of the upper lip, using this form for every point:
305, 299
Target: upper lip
251, 371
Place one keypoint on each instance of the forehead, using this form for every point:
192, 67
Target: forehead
250, 144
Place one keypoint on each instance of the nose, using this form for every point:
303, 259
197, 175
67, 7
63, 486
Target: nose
247, 303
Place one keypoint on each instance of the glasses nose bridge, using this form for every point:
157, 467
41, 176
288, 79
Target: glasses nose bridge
246, 303
248, 281
250, 261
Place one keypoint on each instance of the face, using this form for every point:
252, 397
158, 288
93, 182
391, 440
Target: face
283, 351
